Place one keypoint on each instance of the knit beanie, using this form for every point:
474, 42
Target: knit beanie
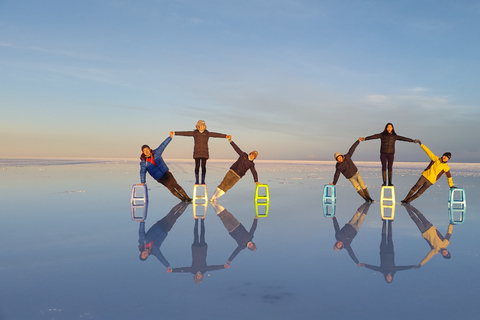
336, 155
448, 154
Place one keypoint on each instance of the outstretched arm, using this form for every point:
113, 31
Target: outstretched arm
353, 147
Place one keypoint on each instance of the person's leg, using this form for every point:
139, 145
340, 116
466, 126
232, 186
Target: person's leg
202, 232
230, 179
197, 169
196, 241
424, 187
169, 181
203, 163
390, 159
364, 187
383, 159
416, 220
357, 187
228, 220
415, 187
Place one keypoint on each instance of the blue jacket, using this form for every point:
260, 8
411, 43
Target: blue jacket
156, 171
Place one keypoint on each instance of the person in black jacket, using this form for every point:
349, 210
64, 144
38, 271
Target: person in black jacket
237, 171
387, 150
346, 166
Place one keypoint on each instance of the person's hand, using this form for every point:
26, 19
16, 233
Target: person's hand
417, 267
172, 133
257, 183
229, 137
418, 141
331, 183
227, 265
453, 187
361, 139
361, 265
169, 269
140, 184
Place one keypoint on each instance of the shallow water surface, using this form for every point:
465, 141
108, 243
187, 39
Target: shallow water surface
69, 246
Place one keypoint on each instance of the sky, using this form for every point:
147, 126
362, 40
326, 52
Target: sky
295, 80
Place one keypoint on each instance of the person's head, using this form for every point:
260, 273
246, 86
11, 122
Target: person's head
338, 246
146, 151
144, 253
389, 277
201, 126
198, 277
446, 156
389, 128
252, 246
338, 157
445, 253
253, 155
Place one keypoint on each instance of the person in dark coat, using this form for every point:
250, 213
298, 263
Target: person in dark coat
387, 255
152, 162
199, 256
345, 235
237, 231
346, 166
200, 146
387, 150
237, 171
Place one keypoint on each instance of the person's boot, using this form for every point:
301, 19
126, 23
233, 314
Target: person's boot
390, 173
186, 198
196, 178
406, 200
360, 192
367, 195
415, 196
384, 176
218, 193
203, 178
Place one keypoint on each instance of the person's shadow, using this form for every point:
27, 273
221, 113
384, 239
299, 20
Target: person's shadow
199, 255
149, 242
387, 255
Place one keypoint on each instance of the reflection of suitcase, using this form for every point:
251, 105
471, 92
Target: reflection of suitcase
139, 202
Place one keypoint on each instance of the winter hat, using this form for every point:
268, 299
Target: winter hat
448, 154
201, 123
255, 153
145, 146
336, 155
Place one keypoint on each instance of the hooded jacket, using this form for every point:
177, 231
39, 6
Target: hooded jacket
436, 168
387, 141
346, 167
158, 169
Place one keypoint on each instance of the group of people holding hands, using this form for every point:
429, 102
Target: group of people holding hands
153, 163
388, 137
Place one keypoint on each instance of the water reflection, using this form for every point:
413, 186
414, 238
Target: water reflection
151, 241
237, 231
199, 255
387, 255
346, 235
437, 242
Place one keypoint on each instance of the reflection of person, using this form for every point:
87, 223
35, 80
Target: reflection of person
150, 242
200, 147
346, 166
346, 235
387, 150
237, 231
430, 175
199, 255
434, 238
152, 162
237, 171
387, 255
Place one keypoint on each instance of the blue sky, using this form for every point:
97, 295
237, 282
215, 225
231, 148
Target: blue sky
292, 79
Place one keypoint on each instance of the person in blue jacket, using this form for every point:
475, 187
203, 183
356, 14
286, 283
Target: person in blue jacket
149, 242
152, 162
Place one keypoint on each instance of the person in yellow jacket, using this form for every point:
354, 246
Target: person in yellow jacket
431, 174
434, 238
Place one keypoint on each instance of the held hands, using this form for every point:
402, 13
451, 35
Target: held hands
172, 133
361, 139
229, 137
361, 265
169, 269
227, 265
417, 141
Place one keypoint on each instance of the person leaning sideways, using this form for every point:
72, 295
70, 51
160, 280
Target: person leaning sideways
237, 171
431, 174
152, 161
346, 166
387, 150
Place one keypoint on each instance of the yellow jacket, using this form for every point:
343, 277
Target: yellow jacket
436, 168
436, 241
